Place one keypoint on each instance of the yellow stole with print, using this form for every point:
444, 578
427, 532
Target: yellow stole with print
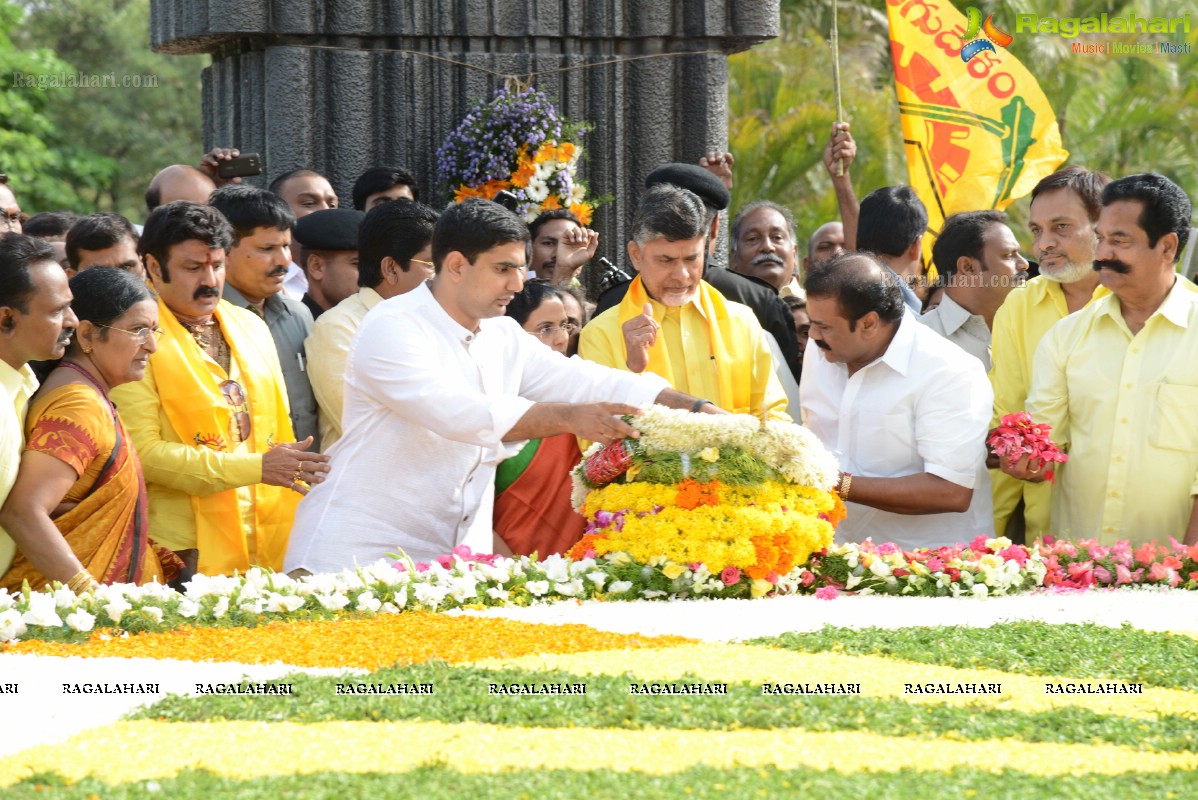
733, 374
189, 389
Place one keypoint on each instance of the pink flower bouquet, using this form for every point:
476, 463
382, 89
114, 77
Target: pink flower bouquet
1018, 436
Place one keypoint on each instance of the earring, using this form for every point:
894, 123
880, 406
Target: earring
87, 351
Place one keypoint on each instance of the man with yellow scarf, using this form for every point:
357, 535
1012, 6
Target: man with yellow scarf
675, 325
210, 419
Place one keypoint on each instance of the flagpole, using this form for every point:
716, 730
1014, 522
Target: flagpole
836, 79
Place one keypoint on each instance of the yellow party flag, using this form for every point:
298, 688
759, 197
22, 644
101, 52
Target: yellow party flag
977, 129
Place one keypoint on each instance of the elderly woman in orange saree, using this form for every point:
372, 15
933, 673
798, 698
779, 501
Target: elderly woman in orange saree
78, 509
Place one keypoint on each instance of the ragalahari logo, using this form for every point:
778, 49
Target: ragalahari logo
975, 44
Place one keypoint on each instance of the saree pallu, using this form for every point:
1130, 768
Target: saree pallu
107, 527
532, 498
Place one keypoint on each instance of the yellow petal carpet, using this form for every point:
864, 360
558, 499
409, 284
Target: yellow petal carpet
1132, 732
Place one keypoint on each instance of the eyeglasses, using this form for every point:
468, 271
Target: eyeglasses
545, 331
240, 425
143, 334
422, 261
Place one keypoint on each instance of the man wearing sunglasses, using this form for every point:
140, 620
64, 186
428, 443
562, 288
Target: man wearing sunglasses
210, 419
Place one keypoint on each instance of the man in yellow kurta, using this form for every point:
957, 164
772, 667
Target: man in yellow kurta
1118, 380
675, 325
1064, 210
210, 419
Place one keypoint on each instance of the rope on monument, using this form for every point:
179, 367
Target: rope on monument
526, 79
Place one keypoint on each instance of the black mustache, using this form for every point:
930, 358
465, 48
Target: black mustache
205, 291
276, 272
1114, 265
822, 345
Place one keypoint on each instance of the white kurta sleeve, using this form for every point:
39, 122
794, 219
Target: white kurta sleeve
951, 422
550, 377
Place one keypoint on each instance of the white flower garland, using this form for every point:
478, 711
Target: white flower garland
791, 450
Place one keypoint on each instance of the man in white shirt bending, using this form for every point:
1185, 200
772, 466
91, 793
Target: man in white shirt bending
439, 388
905, 410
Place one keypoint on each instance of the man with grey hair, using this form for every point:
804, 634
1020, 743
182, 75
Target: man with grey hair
673, 324
764, 244
761, 298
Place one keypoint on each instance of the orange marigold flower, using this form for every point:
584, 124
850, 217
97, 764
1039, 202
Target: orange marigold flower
551, 203
491, 188
586, 544
547, 152
767, 557
692, 494
464, 192
565, 151
523, 174
838, 512
583, 211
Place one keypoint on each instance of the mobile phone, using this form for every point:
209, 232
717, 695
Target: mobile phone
241, 167
507, 200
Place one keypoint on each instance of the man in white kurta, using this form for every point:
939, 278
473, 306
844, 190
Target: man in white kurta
907, 417
440, 387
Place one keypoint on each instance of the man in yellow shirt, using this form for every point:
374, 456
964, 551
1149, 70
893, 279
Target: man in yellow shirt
36, 323
1064, 210
394, 257
675, 325
210, 419
1118, 380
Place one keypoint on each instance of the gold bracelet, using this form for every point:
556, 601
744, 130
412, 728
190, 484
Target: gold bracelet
846, 482
75, 578
81, 580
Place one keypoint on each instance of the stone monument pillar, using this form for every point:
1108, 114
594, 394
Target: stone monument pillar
343, 86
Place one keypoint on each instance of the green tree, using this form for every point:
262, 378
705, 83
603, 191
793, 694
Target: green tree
783, 106
112, 138
33, 155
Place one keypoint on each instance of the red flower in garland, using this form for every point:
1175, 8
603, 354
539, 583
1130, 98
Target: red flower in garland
604, 466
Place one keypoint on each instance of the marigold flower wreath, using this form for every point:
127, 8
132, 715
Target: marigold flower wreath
721, 495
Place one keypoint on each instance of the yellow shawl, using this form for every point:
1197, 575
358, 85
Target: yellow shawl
188, 386
734, 374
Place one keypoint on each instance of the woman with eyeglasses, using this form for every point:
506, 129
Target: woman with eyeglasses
532, 488
78, 509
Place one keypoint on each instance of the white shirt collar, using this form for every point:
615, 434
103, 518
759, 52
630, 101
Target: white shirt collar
953, 315
902, 347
